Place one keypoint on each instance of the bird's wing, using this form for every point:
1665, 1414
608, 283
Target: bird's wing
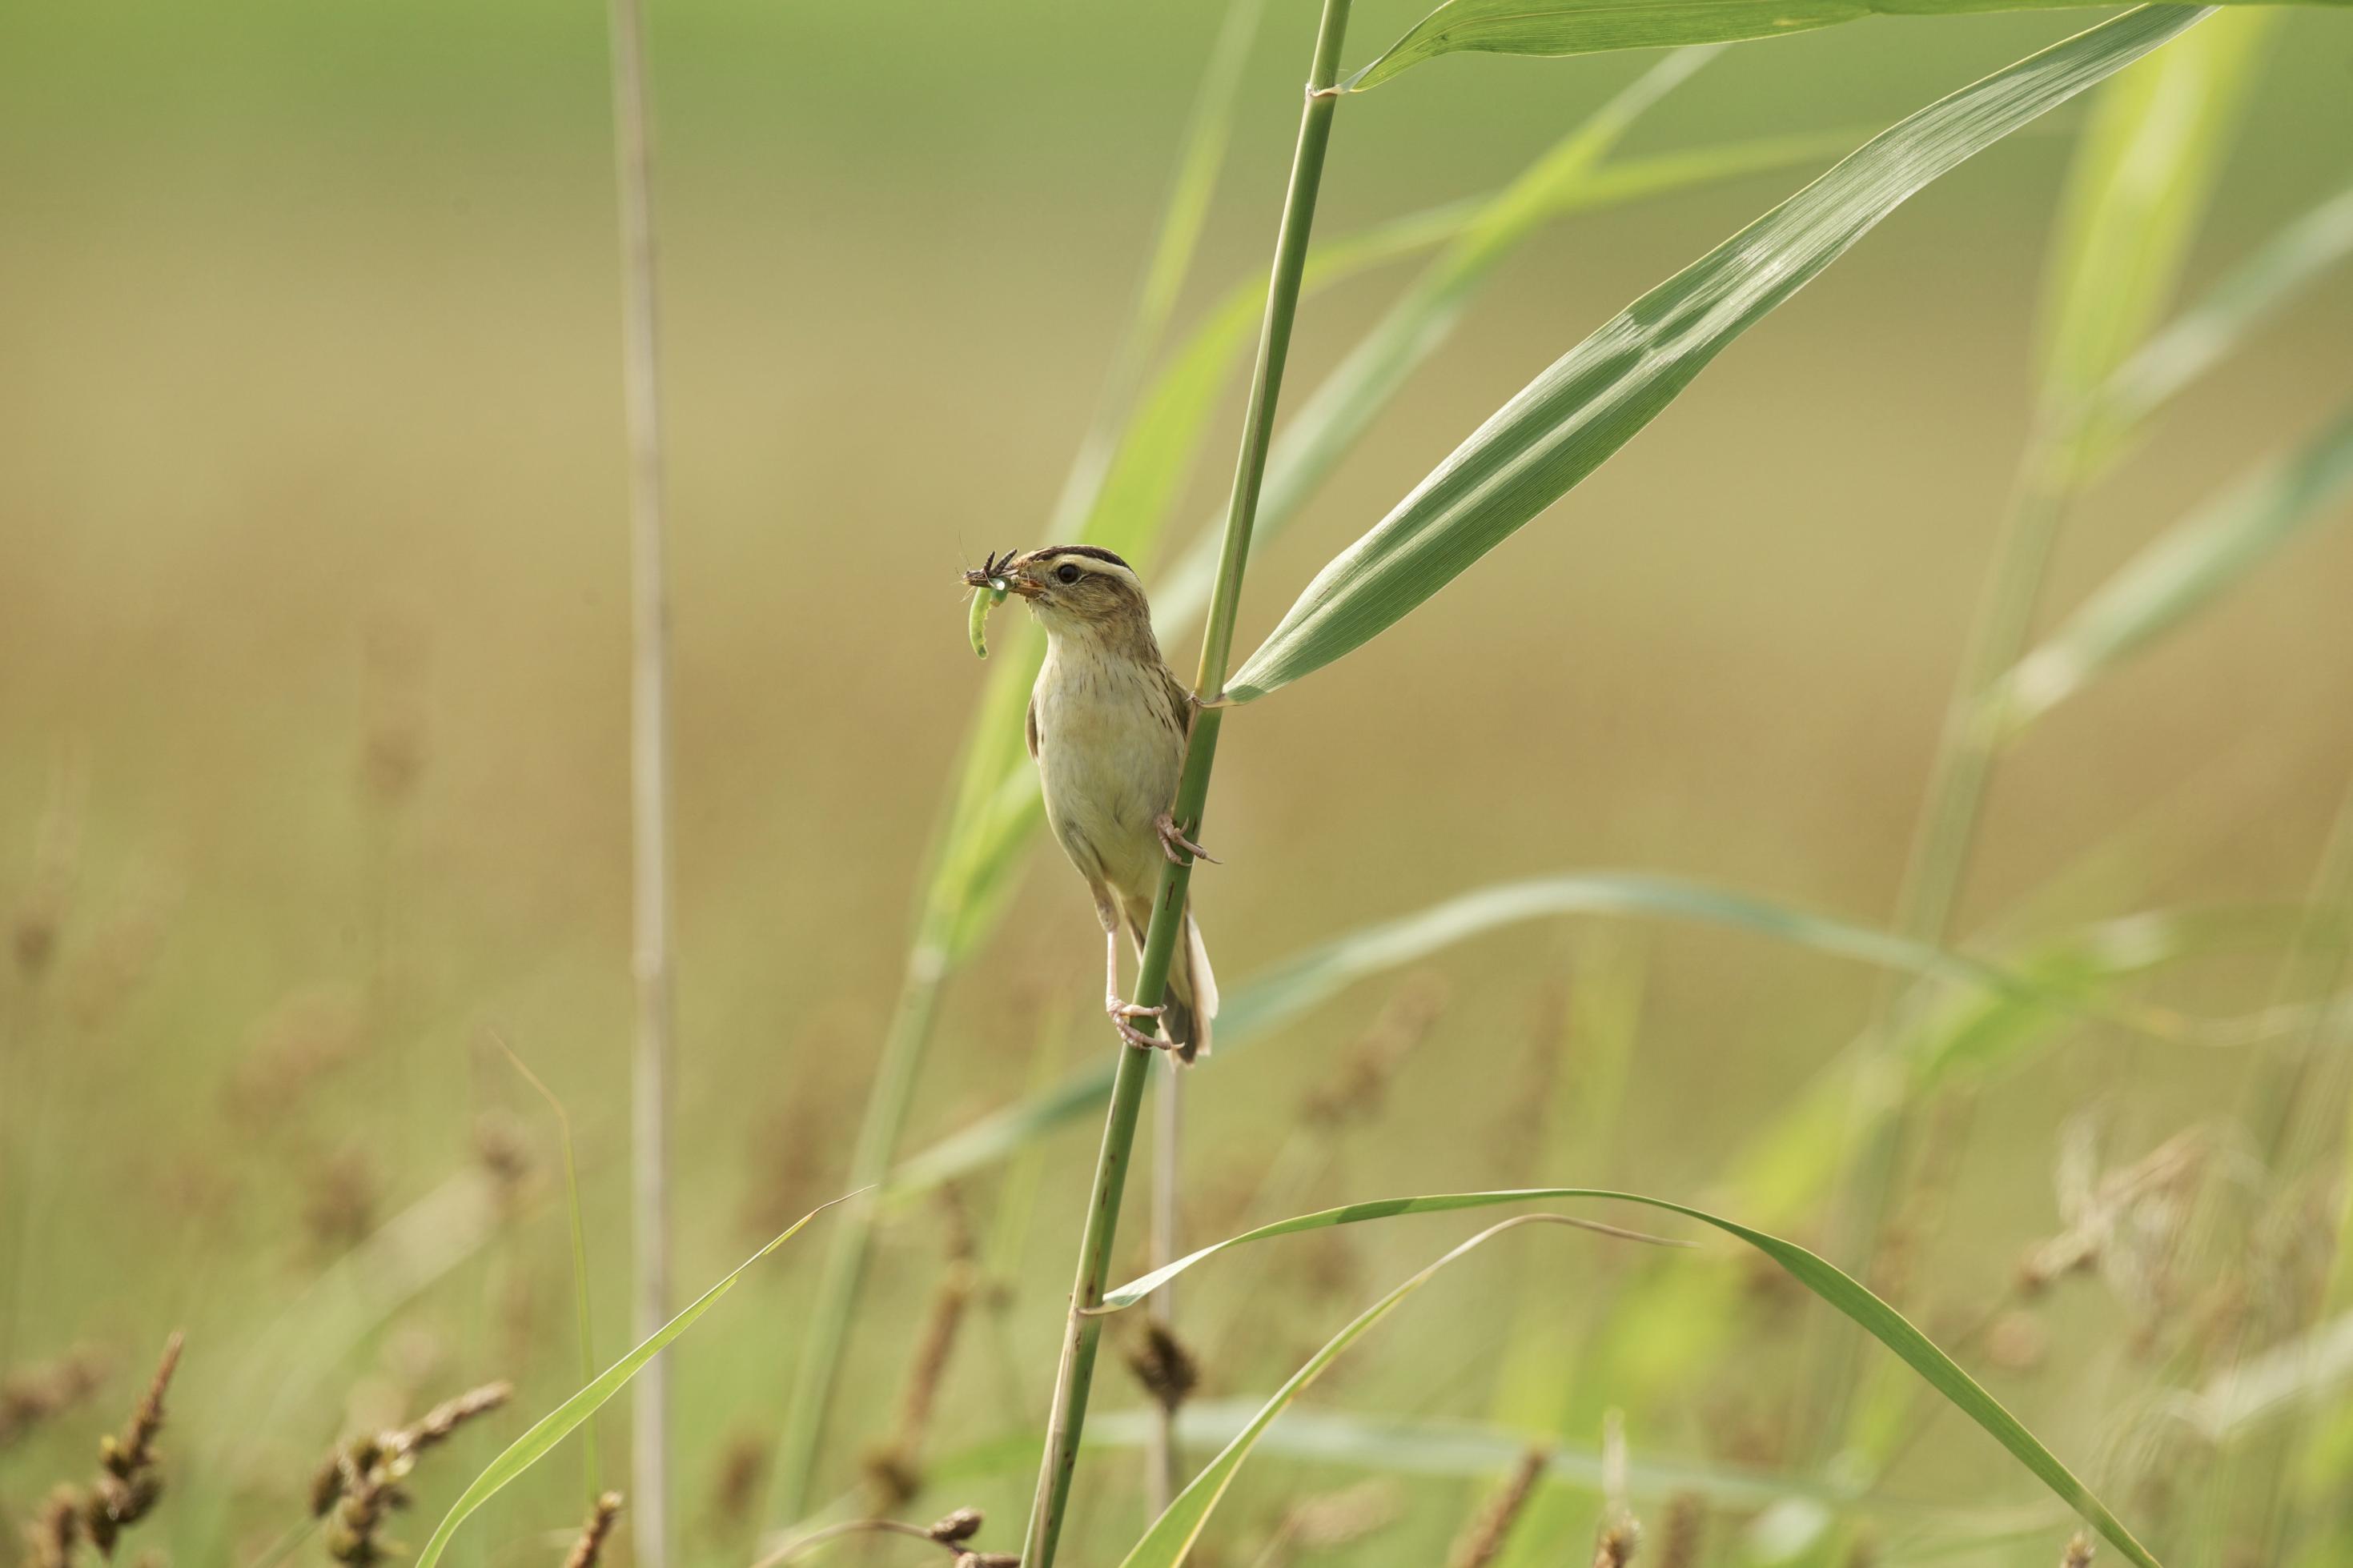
1030, 726
1180, 701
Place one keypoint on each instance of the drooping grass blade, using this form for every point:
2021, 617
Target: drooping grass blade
1293, 987
2196, 341
561, 1422
2186, 570
1557, 28
1169, 1539
1575, 416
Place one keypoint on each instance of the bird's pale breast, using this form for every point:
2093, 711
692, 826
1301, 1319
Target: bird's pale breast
1109, 751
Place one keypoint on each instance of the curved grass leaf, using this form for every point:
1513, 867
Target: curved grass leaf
1171, 1537
2186, 570
559, 1423
1595, 398
1340, 410
2138, 191
1166, 1543
1322, 971
1557, 28
1974, 1036
1396, 1445
2194, 342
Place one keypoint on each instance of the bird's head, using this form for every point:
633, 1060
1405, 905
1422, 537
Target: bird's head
1074, 589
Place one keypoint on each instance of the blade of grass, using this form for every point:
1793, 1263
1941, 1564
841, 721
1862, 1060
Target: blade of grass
1414, 330
2189, 569
2199, 338
992, 807
1558, 28
1303, 982
1593, 400
561, 1422
1404, 1445
1172, 1536
591, 1469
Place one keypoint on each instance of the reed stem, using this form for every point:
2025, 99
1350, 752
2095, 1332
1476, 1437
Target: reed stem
649, 778
908, 1036
1164, 1468
1083, 1331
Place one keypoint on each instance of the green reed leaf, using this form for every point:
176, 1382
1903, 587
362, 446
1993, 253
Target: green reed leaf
1169, 1539
2196, 341
1564, 181
2137, 191
2186, 570
1322, 971
560, 1422
1574, 417
1557, 28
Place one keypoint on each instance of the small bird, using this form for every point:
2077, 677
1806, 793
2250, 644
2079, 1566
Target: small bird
1108, 721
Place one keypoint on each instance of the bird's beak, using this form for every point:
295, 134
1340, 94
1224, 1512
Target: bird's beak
1022, 585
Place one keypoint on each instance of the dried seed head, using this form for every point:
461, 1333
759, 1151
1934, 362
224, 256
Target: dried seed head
1163, 1366
1679, 1541
1356, 1090
49, 1539
446, 1417
2016, 1342
894, 1474
40, 1392
1616, 1544
1483, 1542
129, 1483
960, 1526
591, 1545
1341, 1519
2079, 1553
741, 1469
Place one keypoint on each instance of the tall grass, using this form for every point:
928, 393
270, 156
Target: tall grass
649, 792
1663, 1334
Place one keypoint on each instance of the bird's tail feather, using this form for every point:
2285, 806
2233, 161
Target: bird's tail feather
1192, 994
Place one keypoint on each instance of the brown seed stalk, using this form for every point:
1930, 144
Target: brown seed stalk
1680, 1543
40, 1392
1483, 1541
49, 1539
591, 1545
359, 1483
1617, 1543
130, 1478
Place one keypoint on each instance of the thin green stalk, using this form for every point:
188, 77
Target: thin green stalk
649, 780
591, 1465
1083, 1331
946, 905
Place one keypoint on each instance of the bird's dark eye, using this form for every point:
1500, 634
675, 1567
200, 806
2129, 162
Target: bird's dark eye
1067, 575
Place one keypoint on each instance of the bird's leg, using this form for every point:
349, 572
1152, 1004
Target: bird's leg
1117, 1008
1179, 849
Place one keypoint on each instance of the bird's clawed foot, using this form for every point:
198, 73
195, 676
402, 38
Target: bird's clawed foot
1180, 850
1121, 1011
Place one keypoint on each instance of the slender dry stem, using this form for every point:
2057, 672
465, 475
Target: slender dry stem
649, 776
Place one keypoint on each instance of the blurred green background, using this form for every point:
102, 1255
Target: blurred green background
312, 700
